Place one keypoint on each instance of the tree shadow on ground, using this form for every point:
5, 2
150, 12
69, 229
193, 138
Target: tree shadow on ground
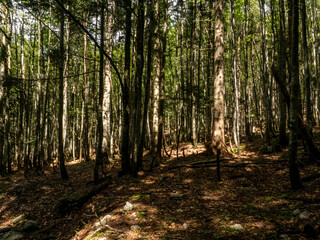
252, 201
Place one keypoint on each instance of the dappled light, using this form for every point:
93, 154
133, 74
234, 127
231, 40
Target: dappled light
159, 119
251, 200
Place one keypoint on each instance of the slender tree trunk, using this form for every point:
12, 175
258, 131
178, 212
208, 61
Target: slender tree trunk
156, 83
125, 162
85, 125
246, 77
137, 154
22, 97
219, 92
63, 170
294, 99
106, 107
265, 75
236, 112
99, 157
162, 80
306, 67
149, 73
282, 72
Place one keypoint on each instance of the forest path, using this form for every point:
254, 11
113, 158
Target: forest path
252, 201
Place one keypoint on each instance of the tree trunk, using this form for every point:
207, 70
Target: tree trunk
306, 67
63, 170
137, 154
294, 99
236, 113
149, 73
99, 157
106, 106
282, 72
162, 80
218, 139
125, 162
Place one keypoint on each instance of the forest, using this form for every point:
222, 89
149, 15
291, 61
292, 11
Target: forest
159, 119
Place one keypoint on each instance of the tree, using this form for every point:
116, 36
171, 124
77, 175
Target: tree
99, 156
63, 170
306, 66
125, 154
218, 139
294, 99
137, 114
282, 73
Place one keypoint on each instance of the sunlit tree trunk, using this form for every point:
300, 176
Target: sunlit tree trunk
236, 111
265, 75
106, 106
37, 148
149, 66
85, 125
156, 82
63, 170
218, 139
22, 97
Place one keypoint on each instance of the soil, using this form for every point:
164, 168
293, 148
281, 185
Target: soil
185, 202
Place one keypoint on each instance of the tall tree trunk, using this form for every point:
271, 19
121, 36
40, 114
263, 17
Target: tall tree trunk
125, 154
99, 157
36, 156
282, 73
22, 97
162, 80
246, 73
192, 83
85, 97
63, 170
137, 154
265, 75
218, 139
294, 99
306, 67
236, 113
106, 106
149, 73
156, 82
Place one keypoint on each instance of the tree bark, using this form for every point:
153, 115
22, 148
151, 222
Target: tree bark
99, 155
282, 72
125, 161
63, 170
137, 153
218, 139
294, 100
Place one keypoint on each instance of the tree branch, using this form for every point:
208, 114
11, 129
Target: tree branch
93, 39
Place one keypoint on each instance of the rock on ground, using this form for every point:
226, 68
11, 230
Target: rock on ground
12, 235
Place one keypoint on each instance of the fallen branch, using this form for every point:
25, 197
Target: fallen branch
66, 204
210, 164
193, 165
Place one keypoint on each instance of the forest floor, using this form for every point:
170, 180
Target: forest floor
253, 200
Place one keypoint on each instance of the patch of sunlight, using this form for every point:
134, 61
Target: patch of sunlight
187, 181
147, 181
73, 162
